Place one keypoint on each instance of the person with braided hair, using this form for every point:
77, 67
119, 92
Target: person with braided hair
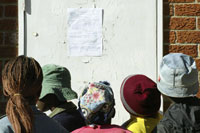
22, 82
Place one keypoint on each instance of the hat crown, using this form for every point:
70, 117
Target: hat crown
178, 75
94, 98
57, 75
57, 80
139, 95
179, 61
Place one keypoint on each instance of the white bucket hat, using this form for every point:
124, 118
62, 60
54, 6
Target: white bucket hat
178, 76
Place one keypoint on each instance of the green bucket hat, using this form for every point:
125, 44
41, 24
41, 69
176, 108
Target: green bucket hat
57, 80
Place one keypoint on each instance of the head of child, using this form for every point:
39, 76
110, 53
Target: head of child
140, 96
96, 103
22, 82
178, 77
56, 87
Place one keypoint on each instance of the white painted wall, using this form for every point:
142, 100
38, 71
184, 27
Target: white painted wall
131, 43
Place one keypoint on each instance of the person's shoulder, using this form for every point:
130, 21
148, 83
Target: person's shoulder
115, 129
80, 130
102, 129
3, 117
4, 120
125, 124
86, 129
5, 125
43, 122
161, 128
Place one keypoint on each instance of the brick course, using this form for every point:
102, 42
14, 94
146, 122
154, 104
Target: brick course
188, 36
181, 23
8, 25
186, 49
11, 38
8, 52
3, 106
11, 11
199, 23
1, 11
8, 1
179, 1
168, 9
1, 66
1, 38
197, 60
187, 10
169, 37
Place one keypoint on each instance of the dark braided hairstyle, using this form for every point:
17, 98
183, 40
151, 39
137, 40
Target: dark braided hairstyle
22, 81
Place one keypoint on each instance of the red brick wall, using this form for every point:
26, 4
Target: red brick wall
182, 28
8, 38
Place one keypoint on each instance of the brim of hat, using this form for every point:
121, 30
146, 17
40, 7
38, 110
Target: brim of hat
63, 93
178, 92
125, 104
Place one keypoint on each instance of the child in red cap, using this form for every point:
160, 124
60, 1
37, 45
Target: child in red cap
141, 98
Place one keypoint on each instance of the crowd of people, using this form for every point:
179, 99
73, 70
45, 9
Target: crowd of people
32, 90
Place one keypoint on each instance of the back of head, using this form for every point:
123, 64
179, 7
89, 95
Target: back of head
57, 81
178, 76
97, 103
140, 96
22, 81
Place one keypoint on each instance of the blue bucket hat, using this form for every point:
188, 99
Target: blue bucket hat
178, 76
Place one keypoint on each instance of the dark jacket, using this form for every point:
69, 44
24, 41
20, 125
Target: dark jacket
68, 116
42, 124
182, 117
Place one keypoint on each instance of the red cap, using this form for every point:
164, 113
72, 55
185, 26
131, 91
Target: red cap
140, 96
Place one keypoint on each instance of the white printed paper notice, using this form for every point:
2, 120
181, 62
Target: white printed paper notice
85, 31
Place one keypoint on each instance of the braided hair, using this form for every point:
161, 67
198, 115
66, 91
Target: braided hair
22, 80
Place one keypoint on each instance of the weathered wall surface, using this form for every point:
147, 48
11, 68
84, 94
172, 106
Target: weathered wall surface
129, 38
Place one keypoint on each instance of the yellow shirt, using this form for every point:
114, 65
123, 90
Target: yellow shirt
143, 124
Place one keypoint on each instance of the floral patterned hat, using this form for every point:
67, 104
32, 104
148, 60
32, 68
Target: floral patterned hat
97, 103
